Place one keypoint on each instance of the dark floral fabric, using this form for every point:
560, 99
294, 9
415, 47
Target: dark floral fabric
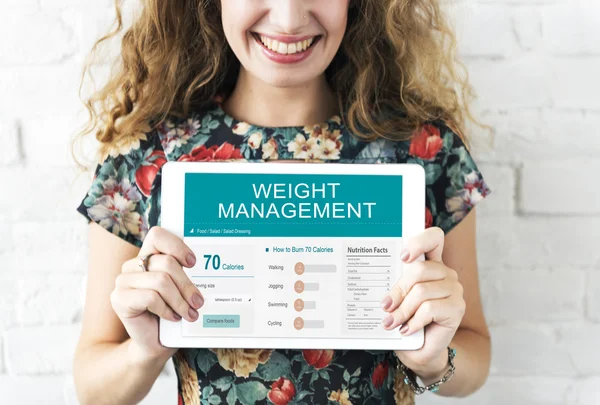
124, 198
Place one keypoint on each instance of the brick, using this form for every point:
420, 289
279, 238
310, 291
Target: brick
50, 246
529, 350
49, 197
588, 391
8, 298
523, 84
527, 26
36, 290
571, 28
593, 297
47, 390
532, 135
576, 83
92, 23
33, 90
41, 350
511, 296
559, 187
470, 20
53, 4
580, 340
47, 39
510, 390
58, 131
501, 179
10, 153
538, 242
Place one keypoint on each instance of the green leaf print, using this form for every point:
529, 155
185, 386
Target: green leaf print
250, 392
432, 173
301, 395
223, 383
455, 176
346, 376
107, 169
231, 397
205, 360
432, 202
123, 172
207, 391
448, 141
214, 400
277, 366
324, 374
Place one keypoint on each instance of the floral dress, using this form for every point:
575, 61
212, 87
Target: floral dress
124, 198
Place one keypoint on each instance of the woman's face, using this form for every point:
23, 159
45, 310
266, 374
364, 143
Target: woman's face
284, 42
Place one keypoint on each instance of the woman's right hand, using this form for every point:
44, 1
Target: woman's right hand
165, 291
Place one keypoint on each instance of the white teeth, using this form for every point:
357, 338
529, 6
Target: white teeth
283, 48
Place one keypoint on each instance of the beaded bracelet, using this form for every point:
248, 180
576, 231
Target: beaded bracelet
410, 377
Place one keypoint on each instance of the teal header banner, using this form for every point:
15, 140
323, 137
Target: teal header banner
292, 205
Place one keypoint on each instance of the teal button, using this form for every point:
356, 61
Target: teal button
221, 321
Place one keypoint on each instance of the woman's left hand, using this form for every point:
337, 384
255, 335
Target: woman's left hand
427, 295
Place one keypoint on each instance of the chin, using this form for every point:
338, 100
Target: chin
285, 80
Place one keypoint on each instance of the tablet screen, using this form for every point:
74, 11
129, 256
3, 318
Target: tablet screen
299, 256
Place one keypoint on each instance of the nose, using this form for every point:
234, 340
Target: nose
289, 16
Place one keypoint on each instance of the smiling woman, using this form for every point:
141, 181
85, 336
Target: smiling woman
337, 81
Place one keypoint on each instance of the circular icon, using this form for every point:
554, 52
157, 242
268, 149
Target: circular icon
298, 286
298, 323
299, 268
298, 305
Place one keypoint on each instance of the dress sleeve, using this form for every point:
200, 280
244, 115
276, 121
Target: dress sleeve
454, 184
124, 196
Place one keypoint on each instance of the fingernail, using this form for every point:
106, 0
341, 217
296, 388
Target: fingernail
176, 316
191, 259
387, 301
404, 329
193, 314
197, 300
404, 255
388, 321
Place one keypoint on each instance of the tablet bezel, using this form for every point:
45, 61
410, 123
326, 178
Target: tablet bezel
413, 222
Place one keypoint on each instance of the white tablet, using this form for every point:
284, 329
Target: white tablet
292, 255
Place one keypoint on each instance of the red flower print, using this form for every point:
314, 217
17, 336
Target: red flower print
215, 152
428, 218
427, 143
282, 391
227, 151
380, 374
318, 358
145, 174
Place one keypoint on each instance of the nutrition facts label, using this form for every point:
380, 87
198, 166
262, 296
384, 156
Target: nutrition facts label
369, 272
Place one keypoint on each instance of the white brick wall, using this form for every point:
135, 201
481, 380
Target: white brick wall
535, 65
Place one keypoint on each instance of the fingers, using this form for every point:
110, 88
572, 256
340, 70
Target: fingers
168, 264
413, 273
419, 295
129, 303
442, 311
159, 240
165, 288
429, 242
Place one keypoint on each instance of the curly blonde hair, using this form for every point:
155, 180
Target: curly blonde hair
389, 77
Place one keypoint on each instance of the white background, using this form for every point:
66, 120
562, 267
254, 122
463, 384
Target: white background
535, 65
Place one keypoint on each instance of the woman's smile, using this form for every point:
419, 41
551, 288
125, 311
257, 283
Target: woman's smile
286, 49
